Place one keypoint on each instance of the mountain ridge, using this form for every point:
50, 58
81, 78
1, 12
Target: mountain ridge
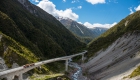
82, 32
38, 24
76, 28
34, 38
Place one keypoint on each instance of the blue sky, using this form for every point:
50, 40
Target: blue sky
91, 13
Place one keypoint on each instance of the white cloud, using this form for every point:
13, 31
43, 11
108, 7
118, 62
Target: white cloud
79, 7
64, 0
80, 22
96, 1
74, 1
49, 7
89, 25
137, 8
131, 11
35, 0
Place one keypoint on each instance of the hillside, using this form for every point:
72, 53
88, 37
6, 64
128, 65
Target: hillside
14, 52
115, 54
42, 35
76, 28
127, 25
80, 31
26, 38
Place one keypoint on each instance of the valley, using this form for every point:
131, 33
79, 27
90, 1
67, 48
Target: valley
32, 38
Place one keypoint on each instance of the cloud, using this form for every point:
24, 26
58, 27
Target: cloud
49, 7
89, 25
96, 1
80, 22
79, 7
131, 11
64, 0
137, 8
35, 0
74, 1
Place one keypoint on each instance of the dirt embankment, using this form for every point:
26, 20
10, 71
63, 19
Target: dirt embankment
117, 61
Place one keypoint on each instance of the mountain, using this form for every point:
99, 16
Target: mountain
35, 26
12, 51
97, 31
115, 55
82, 33
76, 28
33, 36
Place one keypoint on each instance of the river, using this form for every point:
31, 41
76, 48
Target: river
77, 75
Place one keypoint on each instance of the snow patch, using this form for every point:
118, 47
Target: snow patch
80, 29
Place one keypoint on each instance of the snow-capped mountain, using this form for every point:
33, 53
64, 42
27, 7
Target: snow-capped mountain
97, 31
76, 28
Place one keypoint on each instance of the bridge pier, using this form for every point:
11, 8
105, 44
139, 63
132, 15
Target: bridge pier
66, 65
20, 77
82, 57
9, 77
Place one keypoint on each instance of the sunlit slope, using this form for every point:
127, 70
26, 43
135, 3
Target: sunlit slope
127, 25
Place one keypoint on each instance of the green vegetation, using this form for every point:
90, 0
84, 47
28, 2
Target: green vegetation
106, 39
49, 77
76, 28
31, 37
46, 37
85, 40
13, 51
135, 73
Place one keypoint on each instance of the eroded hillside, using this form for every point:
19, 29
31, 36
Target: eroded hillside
118, 60
116, 53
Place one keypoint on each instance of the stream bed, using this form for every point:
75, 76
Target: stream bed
76, 74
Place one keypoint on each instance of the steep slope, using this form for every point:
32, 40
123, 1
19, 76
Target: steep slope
14, 52
48, 35
116, 52
76, 28
38, 12
127, 25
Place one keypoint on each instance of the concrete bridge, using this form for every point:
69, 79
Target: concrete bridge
10, 74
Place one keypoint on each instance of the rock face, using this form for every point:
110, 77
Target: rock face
15, 65
2, 65
117, 61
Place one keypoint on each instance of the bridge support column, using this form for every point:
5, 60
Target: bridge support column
66, 65
9, 77
20, 77
82, 57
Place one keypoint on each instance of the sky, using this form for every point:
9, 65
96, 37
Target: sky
91, 13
